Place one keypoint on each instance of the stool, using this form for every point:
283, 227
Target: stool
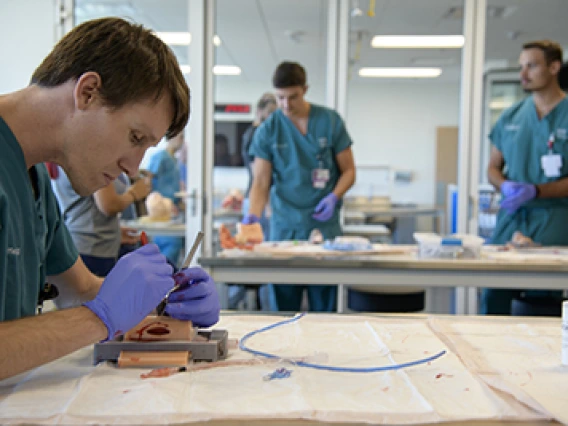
536, 306
385, 302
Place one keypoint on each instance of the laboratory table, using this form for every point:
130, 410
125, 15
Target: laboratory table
388, 270
465, 370
162, 229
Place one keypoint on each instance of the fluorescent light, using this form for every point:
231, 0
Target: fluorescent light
418, 42
226, 70
400, 72
185, 69
175, 38
216, 40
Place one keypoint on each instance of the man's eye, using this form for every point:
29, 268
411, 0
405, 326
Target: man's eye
136, 140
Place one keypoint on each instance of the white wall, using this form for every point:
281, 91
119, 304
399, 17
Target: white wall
27, 34
394, 124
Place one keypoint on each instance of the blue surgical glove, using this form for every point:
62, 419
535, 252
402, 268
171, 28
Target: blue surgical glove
196, 300
517, 195
250, 218
325, 208
132, 289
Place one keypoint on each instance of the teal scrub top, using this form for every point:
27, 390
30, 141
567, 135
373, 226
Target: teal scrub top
522, 139
166, 178
294, 157
34, 241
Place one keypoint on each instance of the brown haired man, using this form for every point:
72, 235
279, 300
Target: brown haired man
107, 91
302, 156
529, 165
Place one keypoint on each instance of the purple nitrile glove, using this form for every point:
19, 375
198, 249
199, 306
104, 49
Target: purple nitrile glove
522, 193
196, 300
509, 187
325, 208
134, 287
250, 218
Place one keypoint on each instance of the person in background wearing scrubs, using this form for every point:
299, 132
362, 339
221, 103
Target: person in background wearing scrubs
265, 106
106, 92
166, 180
529, 165
303, 161
93, 220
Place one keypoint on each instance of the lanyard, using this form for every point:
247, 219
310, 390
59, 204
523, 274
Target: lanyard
550, 142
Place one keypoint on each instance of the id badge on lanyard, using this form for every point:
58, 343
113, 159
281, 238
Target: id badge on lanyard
321, 175
551, 163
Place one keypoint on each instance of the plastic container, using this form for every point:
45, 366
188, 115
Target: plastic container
448, 247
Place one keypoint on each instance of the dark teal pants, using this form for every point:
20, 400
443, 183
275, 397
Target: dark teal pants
546, 226
321, 298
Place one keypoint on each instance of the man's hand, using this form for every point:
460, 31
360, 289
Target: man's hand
196, 300
516, 194
325, 208
132, 289
129, 236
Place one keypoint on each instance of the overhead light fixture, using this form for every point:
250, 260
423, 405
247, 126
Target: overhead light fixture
400, 72
226, 70
175, 38
216, 40
185, 69
418, 42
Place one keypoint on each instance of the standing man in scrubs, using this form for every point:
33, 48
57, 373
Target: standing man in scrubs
529, 165
303, 160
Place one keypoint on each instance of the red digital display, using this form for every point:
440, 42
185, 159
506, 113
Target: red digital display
233, 108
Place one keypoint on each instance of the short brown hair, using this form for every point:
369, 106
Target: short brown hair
552, 50
289, 74
134, 65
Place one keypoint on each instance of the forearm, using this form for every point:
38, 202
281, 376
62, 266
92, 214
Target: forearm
258, 197
76, 285
33, 341
495, 176
556, 189
345, 181
122, 202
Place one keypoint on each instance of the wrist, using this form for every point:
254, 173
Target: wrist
132, 194
536, 191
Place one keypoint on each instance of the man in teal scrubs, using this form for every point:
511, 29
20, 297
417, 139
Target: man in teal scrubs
166, 180
106, 92
529, 165
302, 156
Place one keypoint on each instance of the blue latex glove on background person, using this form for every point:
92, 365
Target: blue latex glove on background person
516, 194
325, 208
196, 300
132, 289
250, 218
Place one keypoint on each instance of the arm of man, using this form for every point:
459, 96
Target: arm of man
495, 168
33, 341
346, 165
556, 189
110, 202
76, 285
262, 179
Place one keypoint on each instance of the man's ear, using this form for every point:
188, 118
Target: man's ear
87, 90
554, 67
306, 87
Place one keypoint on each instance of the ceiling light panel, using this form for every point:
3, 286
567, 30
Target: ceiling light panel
175, 38
418, 42
226, 70
400, 72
